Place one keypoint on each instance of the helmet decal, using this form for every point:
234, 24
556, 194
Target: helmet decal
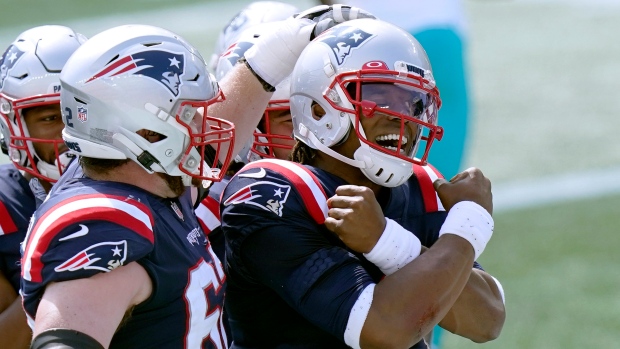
236, 51
8, 60
82, 112
163, 66
344, 39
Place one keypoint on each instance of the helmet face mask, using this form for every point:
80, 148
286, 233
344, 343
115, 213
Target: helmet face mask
402, 98
211, 137
134, 80
273, 138
29, 84
374, 81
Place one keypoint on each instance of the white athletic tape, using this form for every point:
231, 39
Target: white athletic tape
396, 247
470, 221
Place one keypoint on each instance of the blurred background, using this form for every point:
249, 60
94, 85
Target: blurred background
544, 79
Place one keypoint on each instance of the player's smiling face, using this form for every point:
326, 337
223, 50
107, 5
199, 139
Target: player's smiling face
384, 129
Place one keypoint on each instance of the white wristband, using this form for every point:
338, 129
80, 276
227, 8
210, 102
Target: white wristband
470, 221
396, 248
274, 55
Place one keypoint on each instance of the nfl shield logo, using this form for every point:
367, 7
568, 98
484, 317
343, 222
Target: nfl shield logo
82, 114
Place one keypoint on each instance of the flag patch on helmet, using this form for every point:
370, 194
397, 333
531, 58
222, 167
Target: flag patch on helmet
343, 39
82, 113
162, 66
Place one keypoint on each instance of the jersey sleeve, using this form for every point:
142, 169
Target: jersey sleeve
208, 214
80, 237
274, 240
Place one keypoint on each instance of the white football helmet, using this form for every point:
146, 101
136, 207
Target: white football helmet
255, 13
339, 69
138, 78
264, 141
29, 77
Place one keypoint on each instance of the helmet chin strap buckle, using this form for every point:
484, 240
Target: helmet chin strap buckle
143, 157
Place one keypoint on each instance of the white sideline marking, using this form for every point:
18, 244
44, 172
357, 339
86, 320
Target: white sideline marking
558, 188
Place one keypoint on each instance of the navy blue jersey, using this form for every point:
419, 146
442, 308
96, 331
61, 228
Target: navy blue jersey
208, 214
87, 227
292, 282
17, 204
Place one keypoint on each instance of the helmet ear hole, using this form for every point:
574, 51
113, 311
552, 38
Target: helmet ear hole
317, 111
151, 136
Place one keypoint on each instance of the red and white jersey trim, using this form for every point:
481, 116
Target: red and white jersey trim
208, 213
426, 175
121, 210
7, 225
303, 180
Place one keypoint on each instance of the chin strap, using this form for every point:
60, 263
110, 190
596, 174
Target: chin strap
305, 132
53, 171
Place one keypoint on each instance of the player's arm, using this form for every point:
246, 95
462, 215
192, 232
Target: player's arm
94, 306
14, 330
478, 313
418, 290
244, 105
7, 293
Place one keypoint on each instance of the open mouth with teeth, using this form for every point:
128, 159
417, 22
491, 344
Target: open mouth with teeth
390, 142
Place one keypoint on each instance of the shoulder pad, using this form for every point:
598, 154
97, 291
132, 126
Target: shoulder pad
304, 182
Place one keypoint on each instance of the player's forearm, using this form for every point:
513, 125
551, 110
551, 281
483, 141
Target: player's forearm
7, 293
245, 103
434, 281
14, 330
478, 313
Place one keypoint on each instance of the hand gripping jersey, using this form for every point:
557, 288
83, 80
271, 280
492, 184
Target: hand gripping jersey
17, 204
88, 227
291, 282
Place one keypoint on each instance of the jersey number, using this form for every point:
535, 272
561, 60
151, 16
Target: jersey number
205, 319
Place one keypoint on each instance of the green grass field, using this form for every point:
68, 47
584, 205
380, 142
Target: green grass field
559, 268
544, 80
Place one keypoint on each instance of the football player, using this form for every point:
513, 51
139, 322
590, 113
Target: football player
30, 125
115, 256
353, 248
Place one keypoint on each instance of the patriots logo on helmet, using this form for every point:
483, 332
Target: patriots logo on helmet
162, 66
344, 39
236, 51
273, 202
8, 60
104, 256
